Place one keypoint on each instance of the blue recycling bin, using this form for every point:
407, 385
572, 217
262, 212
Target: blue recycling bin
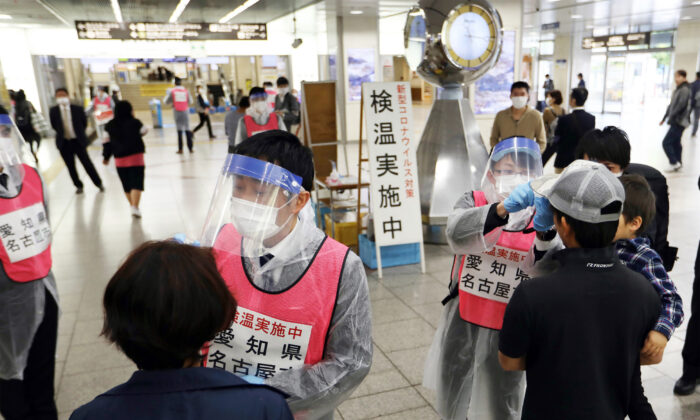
156, 113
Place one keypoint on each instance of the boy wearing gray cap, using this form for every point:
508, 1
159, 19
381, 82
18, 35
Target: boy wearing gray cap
578, 331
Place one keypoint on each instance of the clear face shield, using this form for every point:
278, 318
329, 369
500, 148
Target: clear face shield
514, 161
254, 204
11, 150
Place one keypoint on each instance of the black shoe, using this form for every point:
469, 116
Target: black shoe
179, 152
101, 188
191, 150
79, 190
684, 386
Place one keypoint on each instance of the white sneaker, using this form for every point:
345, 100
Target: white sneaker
135, 212
675, 167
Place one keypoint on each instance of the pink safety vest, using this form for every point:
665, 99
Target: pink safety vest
25, 233
253, 128
488, 280
180, 98
103, 109
275, 331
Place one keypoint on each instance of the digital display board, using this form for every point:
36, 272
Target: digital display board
153, 31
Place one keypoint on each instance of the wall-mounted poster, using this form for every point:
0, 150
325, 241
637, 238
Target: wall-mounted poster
361, 67
492, 90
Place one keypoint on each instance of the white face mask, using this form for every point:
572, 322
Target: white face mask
260, 107
549, 101
505, 184
62, 101
617, 174
283, 91
519, 101
255, 221
8, 154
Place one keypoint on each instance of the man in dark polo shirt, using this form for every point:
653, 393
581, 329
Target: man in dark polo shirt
578, 331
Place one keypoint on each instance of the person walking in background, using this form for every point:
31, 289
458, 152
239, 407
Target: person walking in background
678, 117
519, 120
163, 305
581, 82
271, 94
180, 99
203, 109
570, 129
233, 118
24, 111
695, 101
69, 121
102, 108
125, 142
550, 117
286, 105
548, 85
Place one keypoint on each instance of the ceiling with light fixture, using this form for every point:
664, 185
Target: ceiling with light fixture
575, 16
608, 16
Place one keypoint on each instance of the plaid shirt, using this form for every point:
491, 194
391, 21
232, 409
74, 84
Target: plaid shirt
638, 256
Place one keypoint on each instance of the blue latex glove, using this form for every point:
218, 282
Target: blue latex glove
255, 380
544, 219
521, 198
181, 238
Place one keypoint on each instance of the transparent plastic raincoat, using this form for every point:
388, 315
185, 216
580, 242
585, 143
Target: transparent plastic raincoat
22, 298
303, 322
462, 364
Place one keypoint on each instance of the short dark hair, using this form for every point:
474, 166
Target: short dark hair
256, 90
610, 144
104, 89
61, 89
556, 96
682, 73
520, 85
178, 81
579, 95
244, 102
164, 303
580, 75
639, 200
283, 149
282, 81
592, 235
546, 75
122, 110
697, 74
267, 84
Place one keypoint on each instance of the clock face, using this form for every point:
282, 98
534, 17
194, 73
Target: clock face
469, 36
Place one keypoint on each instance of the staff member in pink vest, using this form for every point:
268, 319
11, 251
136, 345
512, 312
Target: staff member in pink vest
102, 108
258, 117
491, 233
303, 323
28, 296
180, 99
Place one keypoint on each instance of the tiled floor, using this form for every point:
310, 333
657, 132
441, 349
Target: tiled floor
93, 233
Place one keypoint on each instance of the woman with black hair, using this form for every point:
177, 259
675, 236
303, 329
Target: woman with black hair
124, 141
23, 118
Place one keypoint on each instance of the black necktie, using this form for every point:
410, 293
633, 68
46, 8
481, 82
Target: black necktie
3, 180
265, 258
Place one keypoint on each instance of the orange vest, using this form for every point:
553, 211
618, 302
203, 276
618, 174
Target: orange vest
103, 109
25, 254
253, 128
180, 98
275, 331
488, 280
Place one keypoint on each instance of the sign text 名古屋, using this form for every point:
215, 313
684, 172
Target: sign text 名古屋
393, 168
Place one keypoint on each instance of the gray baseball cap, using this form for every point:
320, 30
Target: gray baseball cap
582, 191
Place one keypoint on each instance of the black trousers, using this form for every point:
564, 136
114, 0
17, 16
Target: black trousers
691, 348
204, 118
189, 135
69, 151
33, 397
549, 151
